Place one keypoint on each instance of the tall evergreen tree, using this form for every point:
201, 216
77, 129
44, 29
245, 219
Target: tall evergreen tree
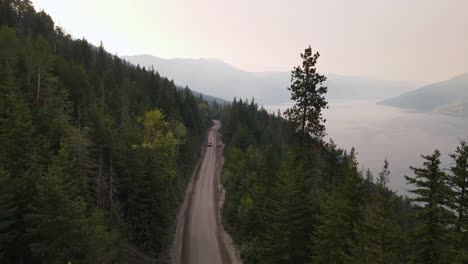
459, 182
289, 218
329, 240
432, 198
369, 182
103, 241
8, 209
57, 218
8, 53
39, 59
309, 94
25, 193
379, 234
16, 129
341, 211
58, 89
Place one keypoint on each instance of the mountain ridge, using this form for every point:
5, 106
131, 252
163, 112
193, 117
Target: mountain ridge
223, 80
432, 96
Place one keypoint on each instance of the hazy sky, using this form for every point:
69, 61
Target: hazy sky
409, 40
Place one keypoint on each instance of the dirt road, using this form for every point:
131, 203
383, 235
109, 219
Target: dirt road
200, 237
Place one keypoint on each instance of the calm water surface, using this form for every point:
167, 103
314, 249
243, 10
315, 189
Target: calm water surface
379, 132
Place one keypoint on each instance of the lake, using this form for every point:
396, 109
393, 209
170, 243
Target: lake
378, 132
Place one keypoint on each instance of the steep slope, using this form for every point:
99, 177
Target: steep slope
208, 76
207, 98
458, 108
214, 77
434, 95
95, 152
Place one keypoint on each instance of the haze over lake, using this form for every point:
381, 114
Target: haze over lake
378, 131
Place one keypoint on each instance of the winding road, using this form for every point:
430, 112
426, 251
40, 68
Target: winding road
200, 237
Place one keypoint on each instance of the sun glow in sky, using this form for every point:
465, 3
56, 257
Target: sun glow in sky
417, 41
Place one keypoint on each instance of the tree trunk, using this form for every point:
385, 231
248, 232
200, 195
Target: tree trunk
461, 208
102, 92
111, 187
79, 117
29, 71
38, 86
304, 115
99, 182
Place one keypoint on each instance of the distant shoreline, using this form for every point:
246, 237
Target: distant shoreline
450, 113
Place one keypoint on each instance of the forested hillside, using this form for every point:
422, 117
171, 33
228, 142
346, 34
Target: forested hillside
293, 198
215, 77
95, 153
440, 95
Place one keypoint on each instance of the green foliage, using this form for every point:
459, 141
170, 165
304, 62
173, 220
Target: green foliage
96, 154
380, 237
38, 60
157, 136
432, 197
292, 203
459, 183
290, 225
59, 228
16, 129
331, 235
57, 217
8, 52
340, 212
308, 93
103, 242
150, 199
81, 177
7, 211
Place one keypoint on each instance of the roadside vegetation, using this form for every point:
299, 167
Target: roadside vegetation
293, 198
95, 153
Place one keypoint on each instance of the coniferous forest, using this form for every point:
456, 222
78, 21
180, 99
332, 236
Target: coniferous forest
293, 198
96, 153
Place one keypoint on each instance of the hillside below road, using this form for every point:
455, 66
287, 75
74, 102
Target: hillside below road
200, 237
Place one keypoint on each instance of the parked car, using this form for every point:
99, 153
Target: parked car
210, 144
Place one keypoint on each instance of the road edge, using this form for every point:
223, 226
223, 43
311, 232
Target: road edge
228, 249
179, 244
230, 253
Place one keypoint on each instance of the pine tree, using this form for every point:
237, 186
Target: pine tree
331, 235
287, 239
379, 234
8, 53
432, 198
149, 200
16, 129
57, 89
308, 93
39, 59
57, 218
101, 135
341, 211
25, 193
459, 183
102, 241
369, 182
8, 209
354, 191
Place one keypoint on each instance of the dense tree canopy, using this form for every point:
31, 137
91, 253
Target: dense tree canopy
288, 201
94, 155
309, 95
